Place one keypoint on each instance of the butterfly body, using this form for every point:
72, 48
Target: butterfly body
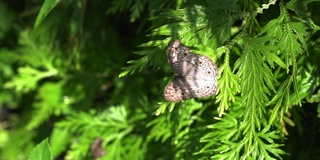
196, 74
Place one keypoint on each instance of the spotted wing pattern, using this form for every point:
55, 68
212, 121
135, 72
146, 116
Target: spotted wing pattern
196, 74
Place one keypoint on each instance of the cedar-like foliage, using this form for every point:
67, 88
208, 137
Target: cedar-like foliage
73, 72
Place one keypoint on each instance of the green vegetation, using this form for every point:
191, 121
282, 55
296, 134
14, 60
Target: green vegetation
74, 71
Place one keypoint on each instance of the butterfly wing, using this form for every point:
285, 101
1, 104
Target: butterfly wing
177, 90
179, 57
202, 77
197, 74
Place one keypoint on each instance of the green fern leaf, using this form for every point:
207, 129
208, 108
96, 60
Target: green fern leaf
49, 102
228, 85
28, 78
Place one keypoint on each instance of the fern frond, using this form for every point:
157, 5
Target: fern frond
228, 85
289, 36
193, 25
135, 7
79, 149
34, 53
179, 131
37, 63
49, 102
224, 136
300, 8
113, 124
256, 76
151, 56
27, 78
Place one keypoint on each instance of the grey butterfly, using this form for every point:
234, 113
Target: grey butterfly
196, 74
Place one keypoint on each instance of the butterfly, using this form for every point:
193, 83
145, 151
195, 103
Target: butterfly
96, 148
196, 75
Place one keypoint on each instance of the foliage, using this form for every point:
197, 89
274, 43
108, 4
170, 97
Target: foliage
77, 71
41, 151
